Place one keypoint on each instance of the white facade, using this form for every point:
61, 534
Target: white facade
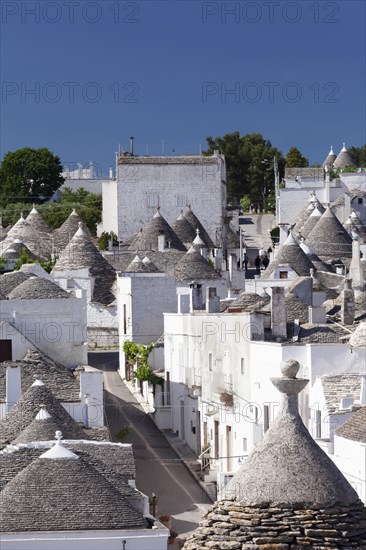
135, 539
219, 382
296, 194
56, 327
144, 183
102, 320
350, 457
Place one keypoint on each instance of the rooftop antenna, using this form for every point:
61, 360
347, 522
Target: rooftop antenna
162, 146
200, 148
147, 150
119, 149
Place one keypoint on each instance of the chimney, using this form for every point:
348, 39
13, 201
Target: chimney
317, 315
110, 173
212, 300
196, 301
131, 145
13, 386
218, 259
278, 312
347, 303
216, 153
355, 270
161, 242
233, 268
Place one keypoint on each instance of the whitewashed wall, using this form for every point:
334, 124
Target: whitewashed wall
56, 327
141, 187
350, 457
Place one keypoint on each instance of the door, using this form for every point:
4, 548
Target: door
6, 350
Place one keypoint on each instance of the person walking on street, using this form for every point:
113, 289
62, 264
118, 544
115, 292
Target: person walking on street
245, 262
257, 263
265, 262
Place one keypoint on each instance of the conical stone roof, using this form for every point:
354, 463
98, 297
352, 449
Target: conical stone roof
329, 239
27, 408
39, 243
184, 230
15, 250
58, 379
60, 491
194, 266
329, 161
196, 224
63, 235
36, 221
81, 253
354, 223
38, 288
310, 222
288, 493
147, 239
9, 281
137, 266
42, 428
305, 212
343, 159
292, 254
315, 260
151, 267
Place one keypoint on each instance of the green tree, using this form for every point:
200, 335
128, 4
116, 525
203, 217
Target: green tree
249, 165
245, 203
104, 239
294, 159
29, 175
359, 155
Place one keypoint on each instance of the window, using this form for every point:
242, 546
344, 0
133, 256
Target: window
6, 350
283, 274
359, 200
153, 200
242, 365
245, 444
181, 200
210, 361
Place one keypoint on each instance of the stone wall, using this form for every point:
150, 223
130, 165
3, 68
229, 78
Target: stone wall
232, 525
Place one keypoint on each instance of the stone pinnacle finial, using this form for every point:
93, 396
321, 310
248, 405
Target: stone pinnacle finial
290, 368
290, 386
58, 436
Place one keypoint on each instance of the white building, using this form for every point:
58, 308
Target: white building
37, 314
218, 369
144, 183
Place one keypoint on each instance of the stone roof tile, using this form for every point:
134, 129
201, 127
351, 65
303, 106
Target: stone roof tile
194, 266
60, 380
64, 494
38, 288
329, 239
27, 408
9, 281
354, 427
147, 238
81, 253
340, 385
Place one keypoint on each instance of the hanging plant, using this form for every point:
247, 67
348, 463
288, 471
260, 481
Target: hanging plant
139, 353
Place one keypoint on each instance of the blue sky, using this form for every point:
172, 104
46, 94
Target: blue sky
162, 71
